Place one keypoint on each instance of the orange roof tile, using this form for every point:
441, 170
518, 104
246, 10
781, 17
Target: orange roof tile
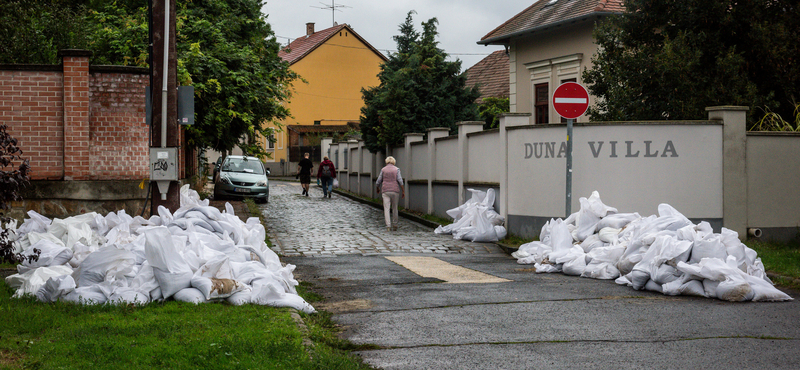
304, 45
543, 14
491, 75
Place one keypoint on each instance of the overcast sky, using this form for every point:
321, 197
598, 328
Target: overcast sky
462, 23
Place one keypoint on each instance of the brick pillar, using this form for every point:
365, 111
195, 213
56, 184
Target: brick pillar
76, 113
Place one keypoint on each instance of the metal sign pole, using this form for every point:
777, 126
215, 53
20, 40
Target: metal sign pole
569, 167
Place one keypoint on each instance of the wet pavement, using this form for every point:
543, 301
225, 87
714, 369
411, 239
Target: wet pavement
313, 226
426, 301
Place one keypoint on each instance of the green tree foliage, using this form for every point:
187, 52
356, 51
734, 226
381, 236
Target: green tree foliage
419, 89
491, 109
33, 31
231, 55
226, 50
672, 58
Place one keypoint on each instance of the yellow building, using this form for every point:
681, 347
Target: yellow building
336, 63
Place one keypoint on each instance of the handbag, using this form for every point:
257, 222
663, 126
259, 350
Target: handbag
335, 183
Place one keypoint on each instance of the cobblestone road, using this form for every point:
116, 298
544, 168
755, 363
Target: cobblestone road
317, 227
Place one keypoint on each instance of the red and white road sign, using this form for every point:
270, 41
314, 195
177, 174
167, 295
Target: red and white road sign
570, 100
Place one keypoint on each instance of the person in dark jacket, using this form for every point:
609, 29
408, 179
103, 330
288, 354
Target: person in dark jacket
326, 173
304, 172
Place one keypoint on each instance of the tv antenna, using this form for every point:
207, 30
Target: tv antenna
333, 8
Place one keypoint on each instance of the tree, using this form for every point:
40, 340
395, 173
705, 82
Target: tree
231, 55
419, 89
33, 31
490, 110
672, 58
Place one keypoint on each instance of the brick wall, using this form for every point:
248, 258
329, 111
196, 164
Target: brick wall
118, 126
31, 104
76, 122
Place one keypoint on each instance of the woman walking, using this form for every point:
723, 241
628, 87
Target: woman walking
390, 186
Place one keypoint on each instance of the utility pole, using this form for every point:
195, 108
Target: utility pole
164, 123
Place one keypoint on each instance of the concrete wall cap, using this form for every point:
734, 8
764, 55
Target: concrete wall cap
728, 107
432, 129
476, 123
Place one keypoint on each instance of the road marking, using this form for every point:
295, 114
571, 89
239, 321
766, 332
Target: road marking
571, 100
438, 269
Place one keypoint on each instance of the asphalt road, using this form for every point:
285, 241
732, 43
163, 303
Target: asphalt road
532, 321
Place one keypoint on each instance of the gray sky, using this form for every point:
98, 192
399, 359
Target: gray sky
461, 23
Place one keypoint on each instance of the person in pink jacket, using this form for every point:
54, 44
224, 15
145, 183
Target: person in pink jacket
390, 186
326, 172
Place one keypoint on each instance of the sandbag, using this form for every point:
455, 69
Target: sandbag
31, 281
55, 287
190, 295
170, 269
107, 263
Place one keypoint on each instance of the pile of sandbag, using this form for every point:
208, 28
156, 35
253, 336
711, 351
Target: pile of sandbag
666, 253
476, 219
198, 254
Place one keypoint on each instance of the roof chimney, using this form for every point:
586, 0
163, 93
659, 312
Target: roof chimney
309, 28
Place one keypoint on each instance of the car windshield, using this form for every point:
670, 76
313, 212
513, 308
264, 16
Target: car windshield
243, 165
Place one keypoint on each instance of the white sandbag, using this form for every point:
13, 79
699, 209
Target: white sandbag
609, 235
88, 295
106, 264
124, 295
55, 287
577, 264
34, 223
51, 254
602, 262
215, 280
592, 242
617, 221
190, 295
653, 286
267, 293
708, 247
31, 281
545, 267
240, 298
764, 291
170, 269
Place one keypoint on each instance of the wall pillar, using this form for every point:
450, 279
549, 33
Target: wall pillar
407, 174
734, 168
508, 120
464, 128
76, 114
433, 134
324, 148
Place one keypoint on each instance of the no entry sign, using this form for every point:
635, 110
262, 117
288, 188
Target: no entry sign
570, 100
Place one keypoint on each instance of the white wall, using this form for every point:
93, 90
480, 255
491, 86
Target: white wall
446, 159
683, 167
484, 163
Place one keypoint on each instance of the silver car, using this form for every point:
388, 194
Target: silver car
239, 177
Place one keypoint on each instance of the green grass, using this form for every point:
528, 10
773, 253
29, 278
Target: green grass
173, 335
780, 258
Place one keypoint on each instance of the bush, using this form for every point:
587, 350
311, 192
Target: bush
10, 184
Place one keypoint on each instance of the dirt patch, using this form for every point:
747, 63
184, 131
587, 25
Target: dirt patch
345, 306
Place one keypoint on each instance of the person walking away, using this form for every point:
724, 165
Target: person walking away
326, 173
304, 172
390, 186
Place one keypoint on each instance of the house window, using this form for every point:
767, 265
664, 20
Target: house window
541, 103
271, 141
317, 123
564, 120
